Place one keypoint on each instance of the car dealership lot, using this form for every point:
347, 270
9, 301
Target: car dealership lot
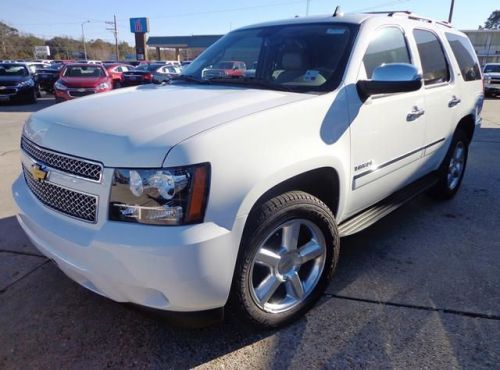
419, 289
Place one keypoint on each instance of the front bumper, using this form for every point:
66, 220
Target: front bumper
16, 93
73, 93
490, 89
182, 268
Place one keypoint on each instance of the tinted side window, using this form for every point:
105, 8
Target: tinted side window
434, 65
465, 55
387, 46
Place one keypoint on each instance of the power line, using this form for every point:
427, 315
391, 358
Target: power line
228, 10
381, 5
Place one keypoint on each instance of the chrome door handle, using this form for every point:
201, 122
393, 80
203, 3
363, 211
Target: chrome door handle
454, 101
414, 114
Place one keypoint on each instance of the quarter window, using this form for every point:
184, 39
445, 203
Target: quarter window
434, 65
465, 55
387, 46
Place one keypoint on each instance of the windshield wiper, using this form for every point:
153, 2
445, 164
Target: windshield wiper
251, 81
189, 78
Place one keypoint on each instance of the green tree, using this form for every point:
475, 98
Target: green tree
493, 21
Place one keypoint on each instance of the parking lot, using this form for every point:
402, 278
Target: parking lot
420, 289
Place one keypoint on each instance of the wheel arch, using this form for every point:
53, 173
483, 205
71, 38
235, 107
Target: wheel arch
467, 124
323, 183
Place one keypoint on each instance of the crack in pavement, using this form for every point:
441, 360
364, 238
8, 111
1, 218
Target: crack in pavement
486, 141
24, 276
329, 295
8, 151
417, 307
21, 253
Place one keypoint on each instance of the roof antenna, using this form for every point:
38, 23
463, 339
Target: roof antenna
337, 12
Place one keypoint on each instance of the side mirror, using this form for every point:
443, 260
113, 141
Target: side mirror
390, 78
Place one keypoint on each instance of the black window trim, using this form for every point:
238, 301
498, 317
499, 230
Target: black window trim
405, 37
476, 59
410, 54
451, 79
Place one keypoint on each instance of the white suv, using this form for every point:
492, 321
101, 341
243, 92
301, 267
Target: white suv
234, 190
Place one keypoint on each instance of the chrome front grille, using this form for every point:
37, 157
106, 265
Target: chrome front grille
75, 166
73, 203
79, 92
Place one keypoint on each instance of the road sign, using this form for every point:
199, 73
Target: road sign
139, 25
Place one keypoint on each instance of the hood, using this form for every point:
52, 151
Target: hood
12, 80
492, 74
136, 127
83, 81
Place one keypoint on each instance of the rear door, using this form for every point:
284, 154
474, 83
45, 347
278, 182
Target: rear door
440, 92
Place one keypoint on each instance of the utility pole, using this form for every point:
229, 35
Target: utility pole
451, 11
114, 29
83, 40
307, 7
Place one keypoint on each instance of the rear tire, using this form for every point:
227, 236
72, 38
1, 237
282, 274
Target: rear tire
452, 169
31, 99
287, 257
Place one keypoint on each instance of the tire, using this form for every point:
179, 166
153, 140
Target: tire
294, 284
38, 92
452, 169
31, 99
117, 85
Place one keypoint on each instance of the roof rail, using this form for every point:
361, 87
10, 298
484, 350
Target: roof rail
411, 16
390, 13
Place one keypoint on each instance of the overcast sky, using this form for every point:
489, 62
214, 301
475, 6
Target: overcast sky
188, 17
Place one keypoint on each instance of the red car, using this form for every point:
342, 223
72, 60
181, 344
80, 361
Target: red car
225, 69
115, 71
78, 80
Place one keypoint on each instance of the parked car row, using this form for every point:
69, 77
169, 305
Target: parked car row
24, 81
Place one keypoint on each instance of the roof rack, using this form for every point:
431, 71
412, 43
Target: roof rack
390, 13
411, 16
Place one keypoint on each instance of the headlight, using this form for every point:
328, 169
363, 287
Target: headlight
27, 83
59, 86
165, 196
103, 86
487, 79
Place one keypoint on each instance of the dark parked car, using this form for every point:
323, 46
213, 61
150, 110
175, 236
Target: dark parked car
148, 73
48, 76
17, 83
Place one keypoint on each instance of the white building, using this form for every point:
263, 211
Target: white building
486, 43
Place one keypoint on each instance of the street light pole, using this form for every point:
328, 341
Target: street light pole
83, 40
451, 11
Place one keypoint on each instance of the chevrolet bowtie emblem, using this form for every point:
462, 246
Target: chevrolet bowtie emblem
38, 173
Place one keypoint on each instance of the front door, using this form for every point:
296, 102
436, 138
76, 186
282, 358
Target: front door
387, 132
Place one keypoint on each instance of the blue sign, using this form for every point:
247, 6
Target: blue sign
139, 25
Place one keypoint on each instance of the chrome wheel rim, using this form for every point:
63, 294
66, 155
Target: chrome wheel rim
287, 266
456, 166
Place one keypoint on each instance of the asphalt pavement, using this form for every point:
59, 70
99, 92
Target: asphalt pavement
419, 289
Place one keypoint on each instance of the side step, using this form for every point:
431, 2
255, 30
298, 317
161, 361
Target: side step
374, 213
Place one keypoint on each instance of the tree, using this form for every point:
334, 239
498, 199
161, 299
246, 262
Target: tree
493, 21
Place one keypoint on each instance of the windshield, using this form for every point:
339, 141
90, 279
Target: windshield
84, 71
309, 57
13, 70
492, 68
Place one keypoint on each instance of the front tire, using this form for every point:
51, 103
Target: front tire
452, 169
287, 257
